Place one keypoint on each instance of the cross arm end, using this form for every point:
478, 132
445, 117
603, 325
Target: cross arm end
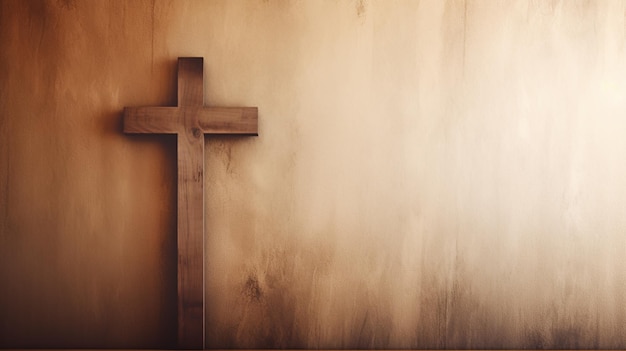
229, 120
150, 120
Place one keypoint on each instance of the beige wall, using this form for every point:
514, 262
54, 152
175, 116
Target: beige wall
428, 173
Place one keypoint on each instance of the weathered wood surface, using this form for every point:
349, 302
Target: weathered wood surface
190, 120
210, 120
190, 208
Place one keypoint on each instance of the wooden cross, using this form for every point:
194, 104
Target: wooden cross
190, 120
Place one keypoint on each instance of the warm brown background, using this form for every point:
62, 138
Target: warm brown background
428, 173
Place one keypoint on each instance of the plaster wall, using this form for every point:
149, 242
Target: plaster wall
429, 174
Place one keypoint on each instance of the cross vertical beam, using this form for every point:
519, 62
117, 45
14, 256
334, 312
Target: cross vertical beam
190, 120
191, 307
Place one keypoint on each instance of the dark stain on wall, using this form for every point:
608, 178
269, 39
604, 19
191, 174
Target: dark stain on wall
252, 290
361, 8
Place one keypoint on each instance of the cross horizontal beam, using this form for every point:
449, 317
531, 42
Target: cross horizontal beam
209, 120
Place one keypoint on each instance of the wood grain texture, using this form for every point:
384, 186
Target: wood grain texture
190, 120
190, 240
210, 120
190, 81
190, 208
150, 120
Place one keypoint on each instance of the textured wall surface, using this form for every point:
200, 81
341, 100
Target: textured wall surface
429, 174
